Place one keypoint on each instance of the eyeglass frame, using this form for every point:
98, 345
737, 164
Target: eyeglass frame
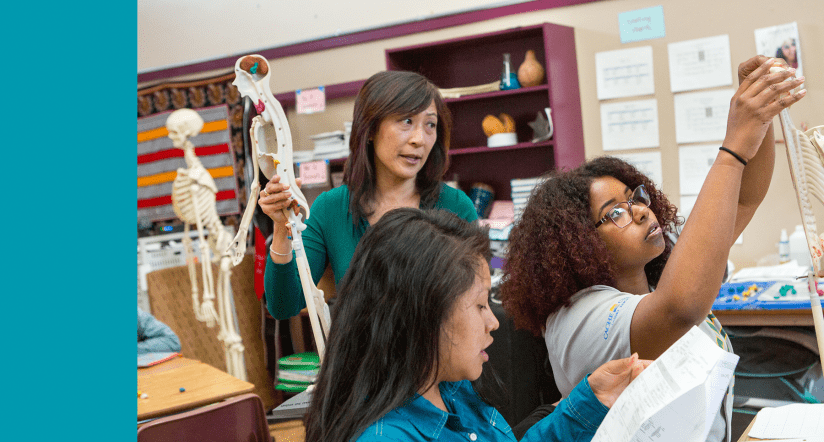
629, 203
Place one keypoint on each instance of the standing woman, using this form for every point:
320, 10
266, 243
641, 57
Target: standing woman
398, 155
590, 265
409, 333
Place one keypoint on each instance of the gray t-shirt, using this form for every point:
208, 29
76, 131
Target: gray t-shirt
595, 329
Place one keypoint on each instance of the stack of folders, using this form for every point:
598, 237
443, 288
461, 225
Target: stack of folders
330, 145
297, 371
521, 190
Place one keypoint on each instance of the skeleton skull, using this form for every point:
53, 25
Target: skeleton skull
182, 124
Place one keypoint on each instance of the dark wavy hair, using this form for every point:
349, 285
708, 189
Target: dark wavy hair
405, 277
554, 249
385, 94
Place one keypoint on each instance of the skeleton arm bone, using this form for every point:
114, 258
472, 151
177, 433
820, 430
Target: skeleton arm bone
237, 248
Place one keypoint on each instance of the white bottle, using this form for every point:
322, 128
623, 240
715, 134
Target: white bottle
798, 247
784, 247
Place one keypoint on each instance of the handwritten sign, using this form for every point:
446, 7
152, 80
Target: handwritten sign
309, 101
642, 24
314, 172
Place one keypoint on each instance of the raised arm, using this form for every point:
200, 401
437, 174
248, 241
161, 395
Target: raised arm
757, 175
693, 274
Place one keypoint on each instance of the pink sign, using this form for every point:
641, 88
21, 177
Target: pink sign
309, 101
314, 172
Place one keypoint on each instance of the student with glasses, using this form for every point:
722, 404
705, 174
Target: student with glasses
591, 266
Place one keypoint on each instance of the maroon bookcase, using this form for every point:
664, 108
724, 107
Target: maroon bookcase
478, 59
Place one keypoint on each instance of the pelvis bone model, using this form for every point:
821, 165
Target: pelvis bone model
193, 199
272, 154
805, 154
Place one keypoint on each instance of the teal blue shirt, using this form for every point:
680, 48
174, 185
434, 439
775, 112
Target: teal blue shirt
330, 238
470, 419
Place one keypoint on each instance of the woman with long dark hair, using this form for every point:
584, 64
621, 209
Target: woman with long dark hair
399, 151
408, 336
591, 266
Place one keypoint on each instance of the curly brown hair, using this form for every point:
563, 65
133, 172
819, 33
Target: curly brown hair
554, 249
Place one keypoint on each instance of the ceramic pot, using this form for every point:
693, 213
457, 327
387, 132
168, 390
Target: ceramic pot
530, 73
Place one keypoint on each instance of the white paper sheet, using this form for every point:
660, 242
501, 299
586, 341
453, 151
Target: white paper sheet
702, 116
699, 64
649, 163
676, 398
624, 73
694, 164
797, 420
629, 124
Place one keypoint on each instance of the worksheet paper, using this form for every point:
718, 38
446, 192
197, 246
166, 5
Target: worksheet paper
676, 398
694, 163
796, 420
702, 116
624, 73
700, 64
629, 124
648, 163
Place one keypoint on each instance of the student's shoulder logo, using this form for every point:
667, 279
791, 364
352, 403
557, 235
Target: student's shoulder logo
614, 311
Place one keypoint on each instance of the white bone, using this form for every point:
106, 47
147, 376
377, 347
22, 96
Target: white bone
806, 159
193, 199
272, 153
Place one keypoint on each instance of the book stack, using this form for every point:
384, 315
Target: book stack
347, 132
302, 156
296, 372
521, 190
330, 145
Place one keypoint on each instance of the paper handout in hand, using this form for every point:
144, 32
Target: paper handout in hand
676, 398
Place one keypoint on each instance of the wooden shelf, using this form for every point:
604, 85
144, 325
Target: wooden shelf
478, 59
542, 88
486, 149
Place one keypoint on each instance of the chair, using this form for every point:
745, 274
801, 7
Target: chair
237, 419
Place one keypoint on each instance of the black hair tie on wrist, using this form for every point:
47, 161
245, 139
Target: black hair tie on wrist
737, 157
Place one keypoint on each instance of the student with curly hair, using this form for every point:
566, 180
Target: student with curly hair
408, 339
591, 267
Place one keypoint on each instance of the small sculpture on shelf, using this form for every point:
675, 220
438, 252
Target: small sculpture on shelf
530, 73
499, 131
542, 128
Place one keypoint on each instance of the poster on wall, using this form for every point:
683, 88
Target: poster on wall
702, 116
649, 163
629, 124
780, 42
700, 64
624, 73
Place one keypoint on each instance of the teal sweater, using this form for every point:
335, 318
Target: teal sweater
330, 238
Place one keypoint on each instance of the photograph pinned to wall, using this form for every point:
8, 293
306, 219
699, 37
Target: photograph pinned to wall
629, 124
781, 41
700, 63
624, 73
648, 163
702, 116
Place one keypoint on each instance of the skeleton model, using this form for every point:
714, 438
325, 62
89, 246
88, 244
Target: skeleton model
193, 198
272, 154
805, 152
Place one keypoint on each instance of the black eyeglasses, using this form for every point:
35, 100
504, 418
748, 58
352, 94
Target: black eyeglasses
621, 213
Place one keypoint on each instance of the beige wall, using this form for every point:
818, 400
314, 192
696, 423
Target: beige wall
596, 30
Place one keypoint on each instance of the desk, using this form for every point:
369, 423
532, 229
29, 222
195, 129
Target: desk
766, 307
744, 436
204, 385
765, 318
